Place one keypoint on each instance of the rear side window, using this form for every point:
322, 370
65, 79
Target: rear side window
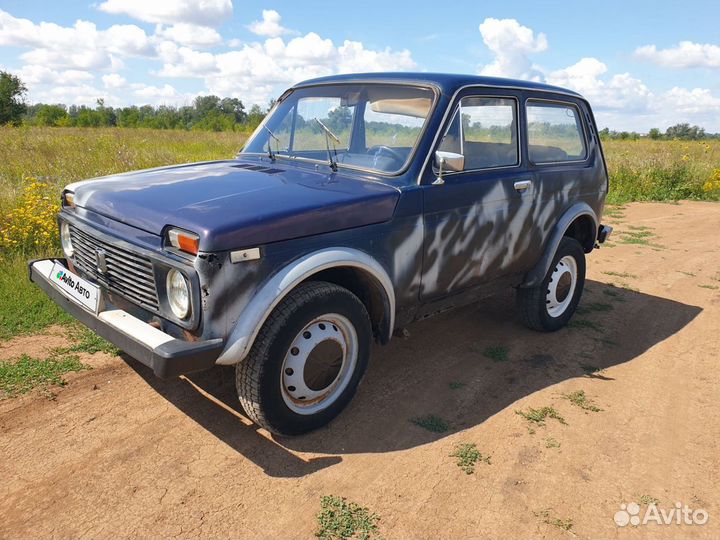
484, 130
555, 132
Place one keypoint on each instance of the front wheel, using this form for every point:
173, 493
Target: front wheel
307, 360
549, 306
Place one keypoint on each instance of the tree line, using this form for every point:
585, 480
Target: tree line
683, 131
210, 113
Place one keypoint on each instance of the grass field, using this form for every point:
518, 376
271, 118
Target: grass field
35, 163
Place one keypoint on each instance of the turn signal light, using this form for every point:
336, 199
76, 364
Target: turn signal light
183, 240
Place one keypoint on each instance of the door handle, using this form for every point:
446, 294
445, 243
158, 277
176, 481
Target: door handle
522, 185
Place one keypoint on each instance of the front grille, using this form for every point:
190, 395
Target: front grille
128, 274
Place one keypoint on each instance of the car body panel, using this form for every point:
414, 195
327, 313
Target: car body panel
234, 204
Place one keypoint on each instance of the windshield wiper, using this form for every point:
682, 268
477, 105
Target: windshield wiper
271, 154
329, 134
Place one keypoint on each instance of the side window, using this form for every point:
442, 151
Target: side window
484, 130
555, 132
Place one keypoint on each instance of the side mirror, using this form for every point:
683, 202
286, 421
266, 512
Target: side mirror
447, 161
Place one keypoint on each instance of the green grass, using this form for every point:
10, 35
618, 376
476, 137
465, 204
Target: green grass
548, 518
686, 273
711, 287
24, 308
647, 500
26, 373
539, 416
550, 442
87, 341
432, 423
619, 274
498, 353
579, 399
338, 519
647, 170
467, 456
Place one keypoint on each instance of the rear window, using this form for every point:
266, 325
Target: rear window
555, 132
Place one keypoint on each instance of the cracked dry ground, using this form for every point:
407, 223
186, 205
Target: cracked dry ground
121, 454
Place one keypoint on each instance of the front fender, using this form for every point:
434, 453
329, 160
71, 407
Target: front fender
535, 276
280, 284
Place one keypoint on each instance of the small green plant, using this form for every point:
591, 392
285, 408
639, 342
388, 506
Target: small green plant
579, 399
548, 518
614, 294
712, 287
619, 274
339, 519
87, 341
589, 368
498, 353
467, 456
25, 373
456, 385
551, 443
538, 416
647, 500
686, 273
432, 423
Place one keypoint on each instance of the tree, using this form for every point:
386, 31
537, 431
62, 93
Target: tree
50, 115
655, 134
12, 99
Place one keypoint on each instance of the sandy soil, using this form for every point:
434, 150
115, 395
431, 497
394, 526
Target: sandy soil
122, 454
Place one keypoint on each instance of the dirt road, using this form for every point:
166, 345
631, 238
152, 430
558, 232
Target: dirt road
122, 454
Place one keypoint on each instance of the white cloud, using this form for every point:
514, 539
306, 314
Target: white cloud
197, 12
685, 54
511, 43
35, 75
270, 25
621, 91
190, 35
620, 100
254, 71
80, 46
159, 95
113, 80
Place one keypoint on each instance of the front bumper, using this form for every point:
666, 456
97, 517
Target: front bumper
164, 354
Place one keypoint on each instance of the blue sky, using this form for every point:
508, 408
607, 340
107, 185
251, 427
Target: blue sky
641, 64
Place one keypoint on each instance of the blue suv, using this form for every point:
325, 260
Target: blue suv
362, 203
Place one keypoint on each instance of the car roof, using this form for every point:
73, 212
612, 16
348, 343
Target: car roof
448, 83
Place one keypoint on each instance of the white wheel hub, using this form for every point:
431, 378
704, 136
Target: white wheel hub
561, 289
319, 364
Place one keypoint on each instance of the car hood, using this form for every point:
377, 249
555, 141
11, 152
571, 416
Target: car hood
234, 204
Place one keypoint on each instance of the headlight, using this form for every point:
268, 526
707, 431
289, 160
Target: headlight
65, 239
178, 293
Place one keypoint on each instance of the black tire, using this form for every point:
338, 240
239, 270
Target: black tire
258, 377
533, 301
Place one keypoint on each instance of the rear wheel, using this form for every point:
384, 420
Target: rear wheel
307, 360
549, 306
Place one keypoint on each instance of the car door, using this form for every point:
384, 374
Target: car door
475, 217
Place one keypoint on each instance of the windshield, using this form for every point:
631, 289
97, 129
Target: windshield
377, 125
